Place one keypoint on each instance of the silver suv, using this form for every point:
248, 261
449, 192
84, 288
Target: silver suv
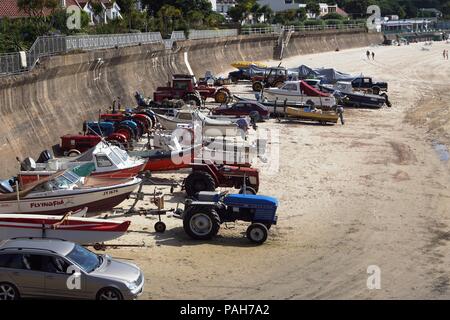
35, 267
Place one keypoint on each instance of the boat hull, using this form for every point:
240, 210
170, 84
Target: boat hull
79, 230
26, 177
99, 199
298, 113
207, 130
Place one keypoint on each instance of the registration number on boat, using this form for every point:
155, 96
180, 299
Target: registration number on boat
110, 192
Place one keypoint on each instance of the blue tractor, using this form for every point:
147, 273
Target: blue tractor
203, 216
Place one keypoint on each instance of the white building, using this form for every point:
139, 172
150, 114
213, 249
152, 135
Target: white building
110, 10
283, 5
213, 4
224, 5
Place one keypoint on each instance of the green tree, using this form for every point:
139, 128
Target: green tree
126, 6
313, 7
168, 16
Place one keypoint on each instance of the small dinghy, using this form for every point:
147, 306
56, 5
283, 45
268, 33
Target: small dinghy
311, 114
67, 227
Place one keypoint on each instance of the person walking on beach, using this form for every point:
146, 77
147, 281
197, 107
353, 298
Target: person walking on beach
373, 55
444, 54
368, 55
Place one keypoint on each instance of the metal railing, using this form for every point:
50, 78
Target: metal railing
278, 29
205, 34
94, 42
10, 63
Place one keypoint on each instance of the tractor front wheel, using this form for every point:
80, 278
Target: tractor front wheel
201, 223
247, 190
199, 181
221, 96
257, 233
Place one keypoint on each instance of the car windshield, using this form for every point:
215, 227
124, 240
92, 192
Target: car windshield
87, 260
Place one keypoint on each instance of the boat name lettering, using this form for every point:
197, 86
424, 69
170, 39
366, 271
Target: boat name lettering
47, 204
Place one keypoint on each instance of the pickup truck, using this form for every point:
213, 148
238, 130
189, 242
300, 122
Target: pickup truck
367, 84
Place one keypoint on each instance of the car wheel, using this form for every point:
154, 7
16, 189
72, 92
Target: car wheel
109, 294
8, 292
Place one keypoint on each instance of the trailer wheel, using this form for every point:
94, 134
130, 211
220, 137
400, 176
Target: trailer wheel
160, 227
257, 233
201, 222
199, 181
73, 153
376, 90
257, 86
386, 98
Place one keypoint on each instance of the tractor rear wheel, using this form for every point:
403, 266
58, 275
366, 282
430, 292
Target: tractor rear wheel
199, 181
73, 153
278, 84
201, 222
257, 233
257, 86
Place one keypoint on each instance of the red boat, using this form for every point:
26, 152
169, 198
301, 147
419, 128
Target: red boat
167, 160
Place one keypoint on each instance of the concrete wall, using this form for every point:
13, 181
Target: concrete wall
63, 91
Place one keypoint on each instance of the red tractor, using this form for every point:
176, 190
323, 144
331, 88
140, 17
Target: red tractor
73, 145
208, 177
273, 77
184, 87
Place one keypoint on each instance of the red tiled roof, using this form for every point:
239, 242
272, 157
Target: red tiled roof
341, 12
9, 8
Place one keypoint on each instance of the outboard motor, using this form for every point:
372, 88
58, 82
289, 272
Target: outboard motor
45, 156
28, 164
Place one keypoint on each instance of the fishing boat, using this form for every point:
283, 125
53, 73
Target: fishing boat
103, 161
311, 114
298, 92
66, 227
210, 127
64, 191
349, 98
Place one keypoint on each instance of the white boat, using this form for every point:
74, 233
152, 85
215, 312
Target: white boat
66, 227
298, 92
65, 192
103, 160
210, 127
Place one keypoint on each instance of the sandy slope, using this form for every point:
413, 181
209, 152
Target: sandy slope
372, 192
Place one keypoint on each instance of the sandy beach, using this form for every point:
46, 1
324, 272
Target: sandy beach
371, 192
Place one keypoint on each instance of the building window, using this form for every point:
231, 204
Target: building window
288, 1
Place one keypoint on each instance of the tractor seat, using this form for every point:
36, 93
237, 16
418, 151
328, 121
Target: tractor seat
208, 196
